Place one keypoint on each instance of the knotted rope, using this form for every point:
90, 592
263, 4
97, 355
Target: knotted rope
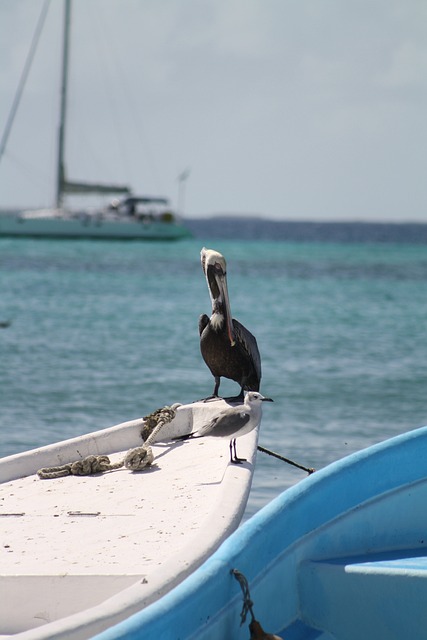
85, 467
135, 460
155, 421
247, 602
257, 632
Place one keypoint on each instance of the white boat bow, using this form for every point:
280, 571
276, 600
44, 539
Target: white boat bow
80, 553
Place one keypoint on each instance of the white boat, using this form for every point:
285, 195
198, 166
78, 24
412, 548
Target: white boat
340, 556
81, 553
131, 218
138, 218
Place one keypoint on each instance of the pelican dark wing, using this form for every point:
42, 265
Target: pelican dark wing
203, 323
249, 347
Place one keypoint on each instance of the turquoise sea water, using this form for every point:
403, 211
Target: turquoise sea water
104, 332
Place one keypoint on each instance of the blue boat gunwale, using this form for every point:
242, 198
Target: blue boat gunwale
261, 540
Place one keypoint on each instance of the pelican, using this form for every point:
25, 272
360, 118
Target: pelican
233, 422
227, 347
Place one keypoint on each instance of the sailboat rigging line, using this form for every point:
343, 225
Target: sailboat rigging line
24, 76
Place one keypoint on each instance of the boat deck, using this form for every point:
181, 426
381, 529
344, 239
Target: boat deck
43, 518
91, 550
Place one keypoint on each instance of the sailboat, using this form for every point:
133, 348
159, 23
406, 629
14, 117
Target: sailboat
126, 217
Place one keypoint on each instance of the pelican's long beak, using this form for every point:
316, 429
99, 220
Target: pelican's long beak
214, 267
222, 285
223, 288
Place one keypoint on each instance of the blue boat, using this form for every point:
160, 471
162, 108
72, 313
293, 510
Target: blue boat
340, 556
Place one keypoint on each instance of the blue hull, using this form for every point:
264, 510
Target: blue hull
340, 556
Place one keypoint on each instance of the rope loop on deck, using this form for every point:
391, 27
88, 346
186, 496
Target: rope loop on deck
139, 458
135, 460
85, 467
54, 472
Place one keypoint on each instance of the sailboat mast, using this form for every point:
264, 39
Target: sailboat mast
63, 109
63, 185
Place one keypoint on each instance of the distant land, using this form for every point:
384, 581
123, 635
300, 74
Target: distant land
252, 228
233, 227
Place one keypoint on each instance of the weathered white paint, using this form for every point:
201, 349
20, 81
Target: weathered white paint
81, 553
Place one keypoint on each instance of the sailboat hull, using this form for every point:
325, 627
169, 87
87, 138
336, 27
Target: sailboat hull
89, 226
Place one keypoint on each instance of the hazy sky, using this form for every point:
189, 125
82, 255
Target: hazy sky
293, 109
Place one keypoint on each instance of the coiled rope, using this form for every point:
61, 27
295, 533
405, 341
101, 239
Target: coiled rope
85, 467
135, 460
